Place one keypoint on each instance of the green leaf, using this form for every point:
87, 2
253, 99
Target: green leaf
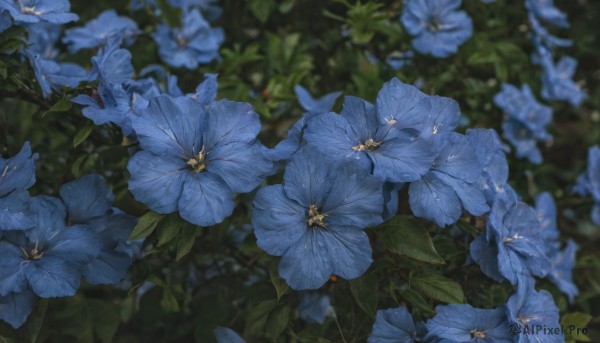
483, 56
575, 326
105, 317
186, 240
278, 320
76, 166
171, 14
365, 292
262, 9
3, 70
281, 287
438, 287
168, 229
403, 235
168, 301
286, 6
468, 228
417, 301
62, 105
36, 318
145, 225
83, 134
257, 316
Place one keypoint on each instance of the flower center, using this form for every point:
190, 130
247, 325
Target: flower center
34, 254
181, 41
369, 145
314, 217
434, 24
477, 334
197, 162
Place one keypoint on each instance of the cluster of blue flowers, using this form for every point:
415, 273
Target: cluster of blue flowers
193, 44
48, 244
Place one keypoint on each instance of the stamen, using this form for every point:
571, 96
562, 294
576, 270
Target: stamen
369, 145
197, 163
314, 217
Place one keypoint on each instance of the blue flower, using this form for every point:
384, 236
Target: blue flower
226, 335
491, 155
110, 103
588, 183
17, 174
193, 44
545, 209
16, 307
198, 155
513, 245
357, 136
524, 139
391, 199
88, 200
48, 258
315, 220
314, 307
394, 325
97, 31
464, 323
438, 27
451, 184
561, 270
526, 122
545, 11
209, 8
206, 92
42, 38
311, 105
527, 307
557, 81
35, 11
52, 76
543, 36
522, 106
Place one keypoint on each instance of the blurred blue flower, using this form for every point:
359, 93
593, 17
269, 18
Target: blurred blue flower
545, 11
543, 36
97, 31
226, 335
529, 307
561, 270
48, 258
193, 44
314, 307
451, 183
42, 38
16, 307
206, 92
557, 81
35, 11
438, 27
464, 323
210, 8
198, 155
522, 106
315, 220
88, 201
524, 139
588, 183
393, 325
545, 209
513, 245
317, 106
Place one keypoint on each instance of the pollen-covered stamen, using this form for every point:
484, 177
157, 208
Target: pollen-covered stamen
477, 334
34, 254
197, 162
369, 145
510, 239
314, 217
